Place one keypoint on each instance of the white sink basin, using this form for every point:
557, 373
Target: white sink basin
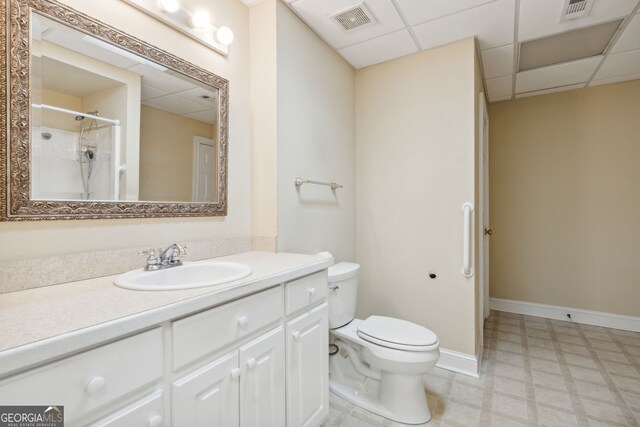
187, 276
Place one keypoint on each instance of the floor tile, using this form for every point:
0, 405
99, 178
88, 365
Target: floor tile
586, 374
559, 399
595, 391
510, 406
603, 411
507, 386
553, 418
463, 414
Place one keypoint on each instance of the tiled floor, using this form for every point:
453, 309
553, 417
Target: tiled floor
536, 372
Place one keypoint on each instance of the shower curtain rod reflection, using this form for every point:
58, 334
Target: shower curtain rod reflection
75, 113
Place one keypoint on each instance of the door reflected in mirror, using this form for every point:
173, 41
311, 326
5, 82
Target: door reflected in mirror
107, 124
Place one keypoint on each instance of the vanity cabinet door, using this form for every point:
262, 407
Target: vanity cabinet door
262, 395
208, 396
308, 368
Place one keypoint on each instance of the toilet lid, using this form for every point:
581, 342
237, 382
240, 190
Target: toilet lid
396, 333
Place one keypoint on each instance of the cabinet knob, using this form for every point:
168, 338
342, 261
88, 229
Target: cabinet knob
251, 363
242, 321
296, 335
312, 291
155, 421
95, 384
235, 373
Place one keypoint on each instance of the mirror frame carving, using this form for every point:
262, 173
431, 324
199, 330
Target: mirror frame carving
15, 126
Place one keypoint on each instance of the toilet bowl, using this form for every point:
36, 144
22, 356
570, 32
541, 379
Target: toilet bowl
380, 361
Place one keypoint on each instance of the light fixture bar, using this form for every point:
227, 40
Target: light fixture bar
180, 20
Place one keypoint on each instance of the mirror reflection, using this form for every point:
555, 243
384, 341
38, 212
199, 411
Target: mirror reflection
108, 124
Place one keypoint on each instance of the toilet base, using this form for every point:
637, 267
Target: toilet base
409, 409
400, 398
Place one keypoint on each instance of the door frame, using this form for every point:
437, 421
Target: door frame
483, 212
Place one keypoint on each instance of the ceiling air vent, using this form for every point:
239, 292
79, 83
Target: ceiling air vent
355, 17
574, 9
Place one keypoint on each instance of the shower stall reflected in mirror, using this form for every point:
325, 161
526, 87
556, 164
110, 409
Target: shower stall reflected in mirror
78, 161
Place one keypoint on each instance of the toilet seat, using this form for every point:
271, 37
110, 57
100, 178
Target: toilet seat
397, 334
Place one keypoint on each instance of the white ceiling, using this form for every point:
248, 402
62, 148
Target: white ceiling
404, 27
162, 88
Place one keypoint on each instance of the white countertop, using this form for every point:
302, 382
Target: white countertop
43, 323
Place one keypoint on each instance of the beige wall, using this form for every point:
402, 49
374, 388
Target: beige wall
166, 154
264, 119
56, 119
415, 133
565, 198
32, 239
316, 140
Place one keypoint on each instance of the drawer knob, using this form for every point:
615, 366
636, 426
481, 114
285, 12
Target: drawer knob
242, 321
235, 373
251, 363
312, 291
296, 335
155, 421
96, 384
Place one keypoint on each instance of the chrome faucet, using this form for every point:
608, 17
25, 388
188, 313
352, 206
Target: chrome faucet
159, 259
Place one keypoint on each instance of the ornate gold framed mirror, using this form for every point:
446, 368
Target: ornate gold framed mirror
98, 124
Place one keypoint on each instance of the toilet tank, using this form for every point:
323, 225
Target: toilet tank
343, 293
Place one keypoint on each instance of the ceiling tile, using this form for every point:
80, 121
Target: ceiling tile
497, 62
552, 90
499, 87
196, 94
630, 39
499, 98
492, 23
160, 80
379, 50
316, 14
615, 79
556, 75
620, 64
149, 92
539, 18
207, 116
418, 11
175, 104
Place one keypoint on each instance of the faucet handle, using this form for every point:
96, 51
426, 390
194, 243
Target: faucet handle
182, 249
153, 256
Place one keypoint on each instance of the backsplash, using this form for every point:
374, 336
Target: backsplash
37, 272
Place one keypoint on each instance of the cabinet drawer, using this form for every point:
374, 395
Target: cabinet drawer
211, 330
147, 412
306, 291
89, 380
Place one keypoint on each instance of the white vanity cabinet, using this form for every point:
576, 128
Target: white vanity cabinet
256, 359
307, 350
242, 388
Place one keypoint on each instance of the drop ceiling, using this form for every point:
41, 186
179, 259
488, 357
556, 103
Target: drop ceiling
403, 27
162, 88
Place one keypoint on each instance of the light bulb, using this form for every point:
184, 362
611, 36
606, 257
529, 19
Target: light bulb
169, 6
199, 19
224, 35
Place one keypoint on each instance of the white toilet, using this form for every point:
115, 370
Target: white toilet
379, 362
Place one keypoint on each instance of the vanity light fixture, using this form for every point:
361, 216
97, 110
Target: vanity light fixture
193, 23
224, 35
169, 6
199, 19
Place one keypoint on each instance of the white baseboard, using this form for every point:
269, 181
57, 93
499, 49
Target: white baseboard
458, 362
587, 317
